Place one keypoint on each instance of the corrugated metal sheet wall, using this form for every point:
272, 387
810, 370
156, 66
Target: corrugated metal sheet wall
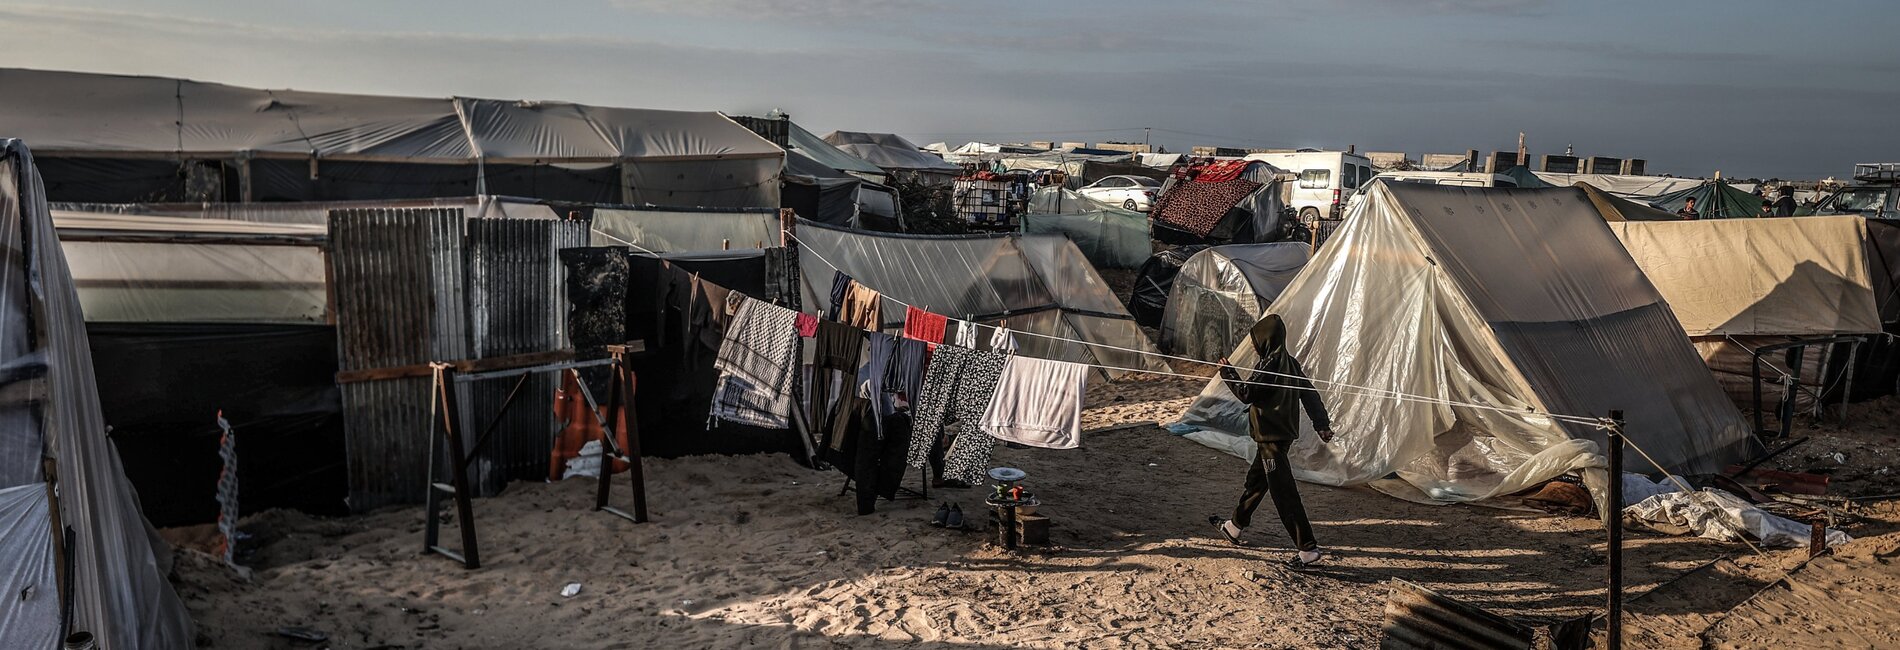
430, 284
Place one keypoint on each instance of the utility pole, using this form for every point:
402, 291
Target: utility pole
1521, 159
1144, 139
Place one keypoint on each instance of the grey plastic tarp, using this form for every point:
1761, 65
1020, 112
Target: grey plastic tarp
1629, 187
669, 231
1492, 308
805, 142
1220, 293
152, 269
1039, 284
824, 194
890, 152
119, 590
1111, 238
672, 158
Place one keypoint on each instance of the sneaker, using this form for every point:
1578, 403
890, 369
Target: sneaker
1227, 529
943, 513
955, 518
1304, 560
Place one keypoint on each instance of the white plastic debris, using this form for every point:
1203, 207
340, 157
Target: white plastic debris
586, 463
1840, 458
572, 589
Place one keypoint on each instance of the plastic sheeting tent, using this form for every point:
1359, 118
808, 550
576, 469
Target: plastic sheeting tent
1039, 284
1494, 307
1616, 208
119, 591
1111, 238
891, 153
1714, 199
112, 138
681, 231
1220, 293
1626, 186
1253, 218
1154, 282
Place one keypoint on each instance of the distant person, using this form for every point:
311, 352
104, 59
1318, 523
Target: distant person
1688, 210
1785, 206
1274, 392
1767, 208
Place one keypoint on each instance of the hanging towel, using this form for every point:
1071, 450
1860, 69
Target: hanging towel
755, 364
966, 334
1038, 403
861, 308
1003, 340
923, 325
807, 326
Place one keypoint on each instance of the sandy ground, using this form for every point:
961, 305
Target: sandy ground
755, 551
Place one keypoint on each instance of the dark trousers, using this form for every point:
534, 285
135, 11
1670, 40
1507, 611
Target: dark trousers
1286, 494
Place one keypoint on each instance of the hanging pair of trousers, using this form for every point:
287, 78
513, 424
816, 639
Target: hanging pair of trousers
1278, 482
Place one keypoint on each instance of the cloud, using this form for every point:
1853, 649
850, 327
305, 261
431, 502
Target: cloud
1498, 7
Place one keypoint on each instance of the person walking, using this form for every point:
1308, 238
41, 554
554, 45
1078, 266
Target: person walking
1274, 393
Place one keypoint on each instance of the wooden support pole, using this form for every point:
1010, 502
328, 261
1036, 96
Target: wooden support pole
1614, 518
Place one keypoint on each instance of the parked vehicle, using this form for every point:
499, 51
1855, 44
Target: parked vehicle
1130, 192
1327, 179
1875, 193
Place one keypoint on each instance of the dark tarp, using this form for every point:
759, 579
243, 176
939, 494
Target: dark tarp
818, 192
163, 384
616, 295
1524, 178
1616, 208
1155, 280
1714, 199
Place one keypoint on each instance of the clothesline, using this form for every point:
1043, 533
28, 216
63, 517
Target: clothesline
1343, 387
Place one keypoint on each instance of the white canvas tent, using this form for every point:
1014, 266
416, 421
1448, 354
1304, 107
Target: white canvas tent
1793, 276
1626, 186
1493, 308
114, 138
118, 566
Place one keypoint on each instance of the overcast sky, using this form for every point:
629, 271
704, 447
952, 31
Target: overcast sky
1750, 87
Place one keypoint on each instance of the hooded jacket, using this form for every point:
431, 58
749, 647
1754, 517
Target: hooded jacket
1277, 388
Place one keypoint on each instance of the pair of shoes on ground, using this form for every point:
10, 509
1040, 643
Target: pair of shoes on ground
949, 515
1300, 561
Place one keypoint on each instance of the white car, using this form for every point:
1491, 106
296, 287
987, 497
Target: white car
1129, 192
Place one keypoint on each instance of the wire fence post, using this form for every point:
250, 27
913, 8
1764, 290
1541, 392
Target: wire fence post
1614, 519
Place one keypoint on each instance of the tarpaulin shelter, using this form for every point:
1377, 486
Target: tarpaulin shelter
56, 464
1794, 276
1034, 284
682, 231
1738, 285
1623, 185
1220, 293
1154, 283
1243, 208
1492, 309
893, 154
1111, 237
827, 185
1525, 178
1714, 199
124, 139
1616, 208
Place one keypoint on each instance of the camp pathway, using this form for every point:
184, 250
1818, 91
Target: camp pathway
755, 551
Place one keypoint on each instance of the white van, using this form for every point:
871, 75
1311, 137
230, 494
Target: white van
1326, 179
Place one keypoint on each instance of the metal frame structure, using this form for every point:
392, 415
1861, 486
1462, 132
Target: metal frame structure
446, 431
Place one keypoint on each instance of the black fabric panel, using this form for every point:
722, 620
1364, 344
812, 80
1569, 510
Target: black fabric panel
107, 180
674, 377
1154, 280
161, 386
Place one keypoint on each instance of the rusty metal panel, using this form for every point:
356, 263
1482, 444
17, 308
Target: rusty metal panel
1417, 618
516, 285
398, 278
